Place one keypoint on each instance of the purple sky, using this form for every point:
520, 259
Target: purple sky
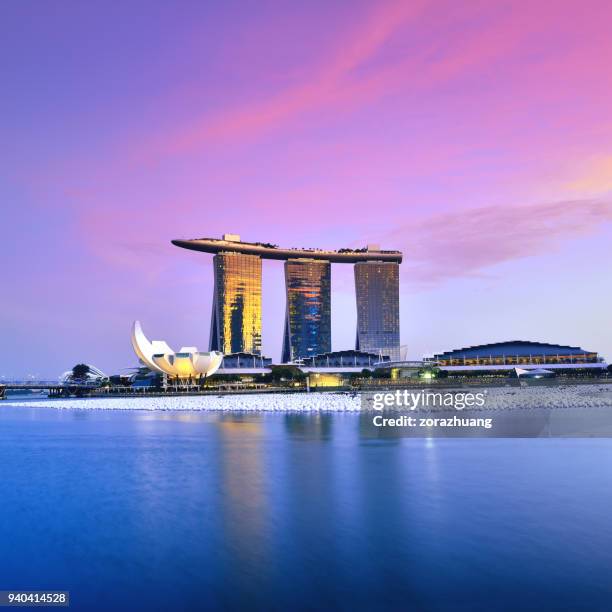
474, 136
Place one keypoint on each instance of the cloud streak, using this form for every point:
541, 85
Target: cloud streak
468, 243
361, 69
325, 84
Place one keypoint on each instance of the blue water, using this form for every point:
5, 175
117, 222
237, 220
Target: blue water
184, 511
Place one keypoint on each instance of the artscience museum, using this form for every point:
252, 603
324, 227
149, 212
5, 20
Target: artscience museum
186, 364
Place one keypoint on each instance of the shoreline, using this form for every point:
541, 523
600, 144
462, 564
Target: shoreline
497, 398
440, 385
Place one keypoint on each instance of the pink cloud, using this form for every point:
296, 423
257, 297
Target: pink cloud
465, 244
323, 85
375, 59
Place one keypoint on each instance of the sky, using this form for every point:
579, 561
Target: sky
474, 136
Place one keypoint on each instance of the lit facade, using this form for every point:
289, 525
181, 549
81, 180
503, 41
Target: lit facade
518, 353
377, 293
308, 316
245, 361
236, 310
187, 363
344, 359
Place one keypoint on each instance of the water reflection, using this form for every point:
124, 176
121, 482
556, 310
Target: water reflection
317, 426
244, 490
291, 511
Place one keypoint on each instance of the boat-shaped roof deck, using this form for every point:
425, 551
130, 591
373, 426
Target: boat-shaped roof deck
272, 251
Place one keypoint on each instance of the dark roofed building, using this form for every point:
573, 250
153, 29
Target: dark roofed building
245, 361
523, 353
343, 359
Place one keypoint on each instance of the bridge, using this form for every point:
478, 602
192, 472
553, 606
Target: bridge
55, 389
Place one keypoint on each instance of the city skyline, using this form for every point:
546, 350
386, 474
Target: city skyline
473, 137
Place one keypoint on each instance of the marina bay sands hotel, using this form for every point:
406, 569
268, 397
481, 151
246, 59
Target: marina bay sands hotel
236, 310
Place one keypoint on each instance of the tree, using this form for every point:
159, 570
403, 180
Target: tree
382, 373
80, 371
429, 372
287, 372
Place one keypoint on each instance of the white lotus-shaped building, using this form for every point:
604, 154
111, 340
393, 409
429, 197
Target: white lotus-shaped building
186, 363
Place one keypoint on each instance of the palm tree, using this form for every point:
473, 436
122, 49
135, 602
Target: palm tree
80, 371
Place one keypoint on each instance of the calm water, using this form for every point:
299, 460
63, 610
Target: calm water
183, 511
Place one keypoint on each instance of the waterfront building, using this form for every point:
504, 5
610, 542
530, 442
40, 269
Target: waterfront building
238, 361
308, 310
505, 357
236, 316
245, 364
236, 310
377, 294
245, 360
343, 361
335, 368
186, 364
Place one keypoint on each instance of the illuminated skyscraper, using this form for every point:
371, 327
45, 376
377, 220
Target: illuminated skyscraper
236, 314
236, 310
308, 318
377, 292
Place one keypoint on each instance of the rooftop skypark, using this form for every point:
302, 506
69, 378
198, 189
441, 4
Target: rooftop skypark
231, 242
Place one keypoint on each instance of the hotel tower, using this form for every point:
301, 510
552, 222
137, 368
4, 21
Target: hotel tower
308, 317
377, 294
236, 312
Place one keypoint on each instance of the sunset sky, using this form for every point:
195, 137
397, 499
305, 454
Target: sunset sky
474, 136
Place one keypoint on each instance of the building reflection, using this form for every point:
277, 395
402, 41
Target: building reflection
243, 480
369, 431
310, 426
